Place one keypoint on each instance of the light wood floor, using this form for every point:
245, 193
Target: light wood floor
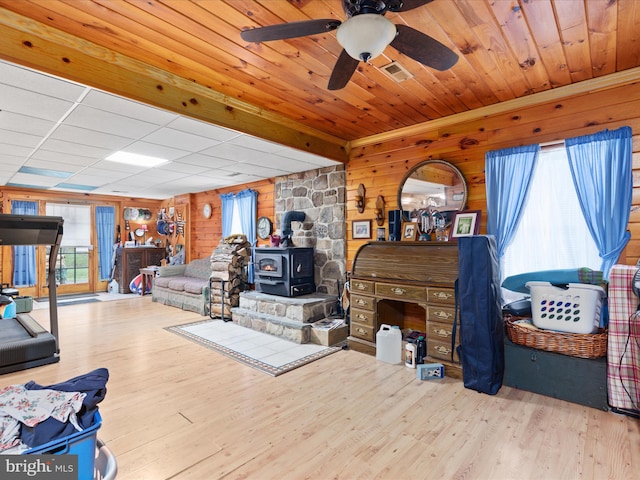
176, 410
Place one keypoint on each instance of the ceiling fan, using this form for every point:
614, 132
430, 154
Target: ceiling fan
364, 36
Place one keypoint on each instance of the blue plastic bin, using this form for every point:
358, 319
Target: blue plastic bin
81, 443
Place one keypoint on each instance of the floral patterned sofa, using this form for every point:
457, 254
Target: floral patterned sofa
184, 286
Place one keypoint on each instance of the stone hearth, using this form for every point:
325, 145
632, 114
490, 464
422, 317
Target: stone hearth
286, 317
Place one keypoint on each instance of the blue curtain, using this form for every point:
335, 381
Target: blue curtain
105, 228
227, 200
247, 205
601, 169
24, 256
508, 175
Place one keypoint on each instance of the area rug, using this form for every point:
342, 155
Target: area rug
267, 353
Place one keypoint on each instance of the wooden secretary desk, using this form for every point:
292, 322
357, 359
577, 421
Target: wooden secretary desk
412, 285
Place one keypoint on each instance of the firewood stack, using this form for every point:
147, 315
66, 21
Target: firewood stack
229, 263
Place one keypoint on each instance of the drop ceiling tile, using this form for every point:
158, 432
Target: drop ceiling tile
45, 164
203, 129
84, 136
231, 152
28, 179
19, 139
256, 144
160, 151
127, 108
178, 166
37, 105
77, 149
107, 122
181, 140
122, 167
15, 150
204, 161
28, 79
64, 158
15, 122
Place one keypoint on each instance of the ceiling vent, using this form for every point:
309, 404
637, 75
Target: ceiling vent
397, 72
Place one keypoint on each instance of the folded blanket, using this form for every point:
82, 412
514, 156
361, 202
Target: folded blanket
518, 283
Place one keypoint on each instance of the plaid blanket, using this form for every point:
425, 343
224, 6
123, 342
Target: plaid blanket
623, 348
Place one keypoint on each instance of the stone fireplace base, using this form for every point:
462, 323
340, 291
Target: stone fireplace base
285, 317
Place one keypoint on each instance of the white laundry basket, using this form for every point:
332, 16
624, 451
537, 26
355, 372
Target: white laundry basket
574, 309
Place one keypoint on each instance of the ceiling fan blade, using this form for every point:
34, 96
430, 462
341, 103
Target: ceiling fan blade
290, 30
410, 5
343, 71
423, 48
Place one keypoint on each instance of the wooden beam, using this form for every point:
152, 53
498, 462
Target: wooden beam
32, 44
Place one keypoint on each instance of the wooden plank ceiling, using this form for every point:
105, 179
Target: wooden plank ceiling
508, 50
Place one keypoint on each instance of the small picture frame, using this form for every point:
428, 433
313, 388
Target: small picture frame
361, 229
465, 224
409, 232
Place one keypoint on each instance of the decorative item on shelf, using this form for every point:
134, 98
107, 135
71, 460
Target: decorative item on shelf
274, 240
379, 210
144, 229
360, 198
380, 234
361, 229
465, 224
409, 232
265, 227
206, 210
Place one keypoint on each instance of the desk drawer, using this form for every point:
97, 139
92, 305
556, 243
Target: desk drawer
442, 350
441, 295
442, 331
401, 292
360, 301
439, 313
364, 332
361, 286
363, 317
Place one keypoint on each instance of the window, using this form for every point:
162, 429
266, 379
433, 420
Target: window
72, 264
552, 233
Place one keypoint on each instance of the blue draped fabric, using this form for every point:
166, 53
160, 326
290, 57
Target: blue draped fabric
601, 168
105, 228
508, 174
24, 256
247, 201
227, 200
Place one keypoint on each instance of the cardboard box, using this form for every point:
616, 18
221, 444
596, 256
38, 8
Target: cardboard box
329, 337
429, 371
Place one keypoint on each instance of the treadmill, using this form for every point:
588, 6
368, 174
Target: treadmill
24, 343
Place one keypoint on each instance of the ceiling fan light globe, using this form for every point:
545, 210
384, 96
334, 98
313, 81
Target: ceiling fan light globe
365, 36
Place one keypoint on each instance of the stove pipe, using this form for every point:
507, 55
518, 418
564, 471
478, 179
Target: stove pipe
285, 226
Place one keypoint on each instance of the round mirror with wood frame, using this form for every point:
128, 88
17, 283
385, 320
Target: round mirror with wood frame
433, 188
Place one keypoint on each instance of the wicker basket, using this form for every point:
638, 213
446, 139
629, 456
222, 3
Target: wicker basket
581, 345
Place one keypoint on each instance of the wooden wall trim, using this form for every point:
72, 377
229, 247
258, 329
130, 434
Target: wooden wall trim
33, 44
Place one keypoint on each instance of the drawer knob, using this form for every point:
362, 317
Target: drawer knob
361, 331
443, 295
361, 316
361, 301
398, 290
441, 332
442, 314
442, 350
361, 286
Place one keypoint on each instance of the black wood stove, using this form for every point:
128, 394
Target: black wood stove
284, 271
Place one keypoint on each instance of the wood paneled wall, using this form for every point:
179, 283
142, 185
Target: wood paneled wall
380, 166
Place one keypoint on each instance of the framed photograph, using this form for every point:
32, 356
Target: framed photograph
409, 232
361, 229
465, 223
